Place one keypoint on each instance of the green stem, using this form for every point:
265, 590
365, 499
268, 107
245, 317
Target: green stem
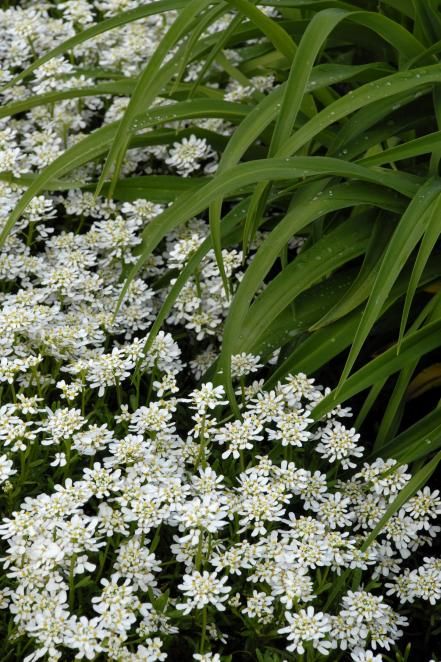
242, 389
103, 560
201, 455
13, 394
203, 630
72, 582
198, 560
156, 539
241, 462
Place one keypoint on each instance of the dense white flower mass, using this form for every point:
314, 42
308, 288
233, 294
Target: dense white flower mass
142, 516
264, 532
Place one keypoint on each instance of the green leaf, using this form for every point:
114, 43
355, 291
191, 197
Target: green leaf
317, 350
96, 144
148, 85
430, 237
427, 21
327, 342
230, 222
318, 29
373, 114
413, 347
407, 234
312, 41
366, 94
118, 88
216, 49
418, 441
255, 123
272, 30
246, 133
306, 208
416, 147
361, 287
396, 404
206, 20
309, 306
157, 188
346, 242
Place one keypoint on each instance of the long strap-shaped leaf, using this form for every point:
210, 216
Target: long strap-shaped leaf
230, 222
215, 50
396, 403
307, 208
416, 147
427, 25
207, 19
275, 32
269, 107
372, 114
305, 4
310, 305
361, 287
255, 123
326, 343
430, 238
117, 87
414, 346
247, 132
312, 41
406, 236
316, 33
366, 94
149, 83
418, 441
346, 242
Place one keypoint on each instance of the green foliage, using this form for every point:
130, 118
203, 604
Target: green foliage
343, 153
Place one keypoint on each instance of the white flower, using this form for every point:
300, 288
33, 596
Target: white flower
260, 606
307, 627
6, 468
83, 635
150, 651
59, 461
186, 155
338, 443
334, 510
291, 427
207, 397
202, 589
363, 606
361, 655
244, 364
239, 436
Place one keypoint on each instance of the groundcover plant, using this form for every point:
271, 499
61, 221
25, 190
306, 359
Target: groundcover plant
208, 210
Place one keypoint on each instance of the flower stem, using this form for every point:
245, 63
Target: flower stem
203, 630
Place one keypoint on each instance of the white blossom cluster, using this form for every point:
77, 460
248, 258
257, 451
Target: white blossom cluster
261, 537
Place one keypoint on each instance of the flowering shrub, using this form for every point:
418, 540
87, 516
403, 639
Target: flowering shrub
173, 484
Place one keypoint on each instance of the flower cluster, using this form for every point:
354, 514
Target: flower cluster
260, 539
